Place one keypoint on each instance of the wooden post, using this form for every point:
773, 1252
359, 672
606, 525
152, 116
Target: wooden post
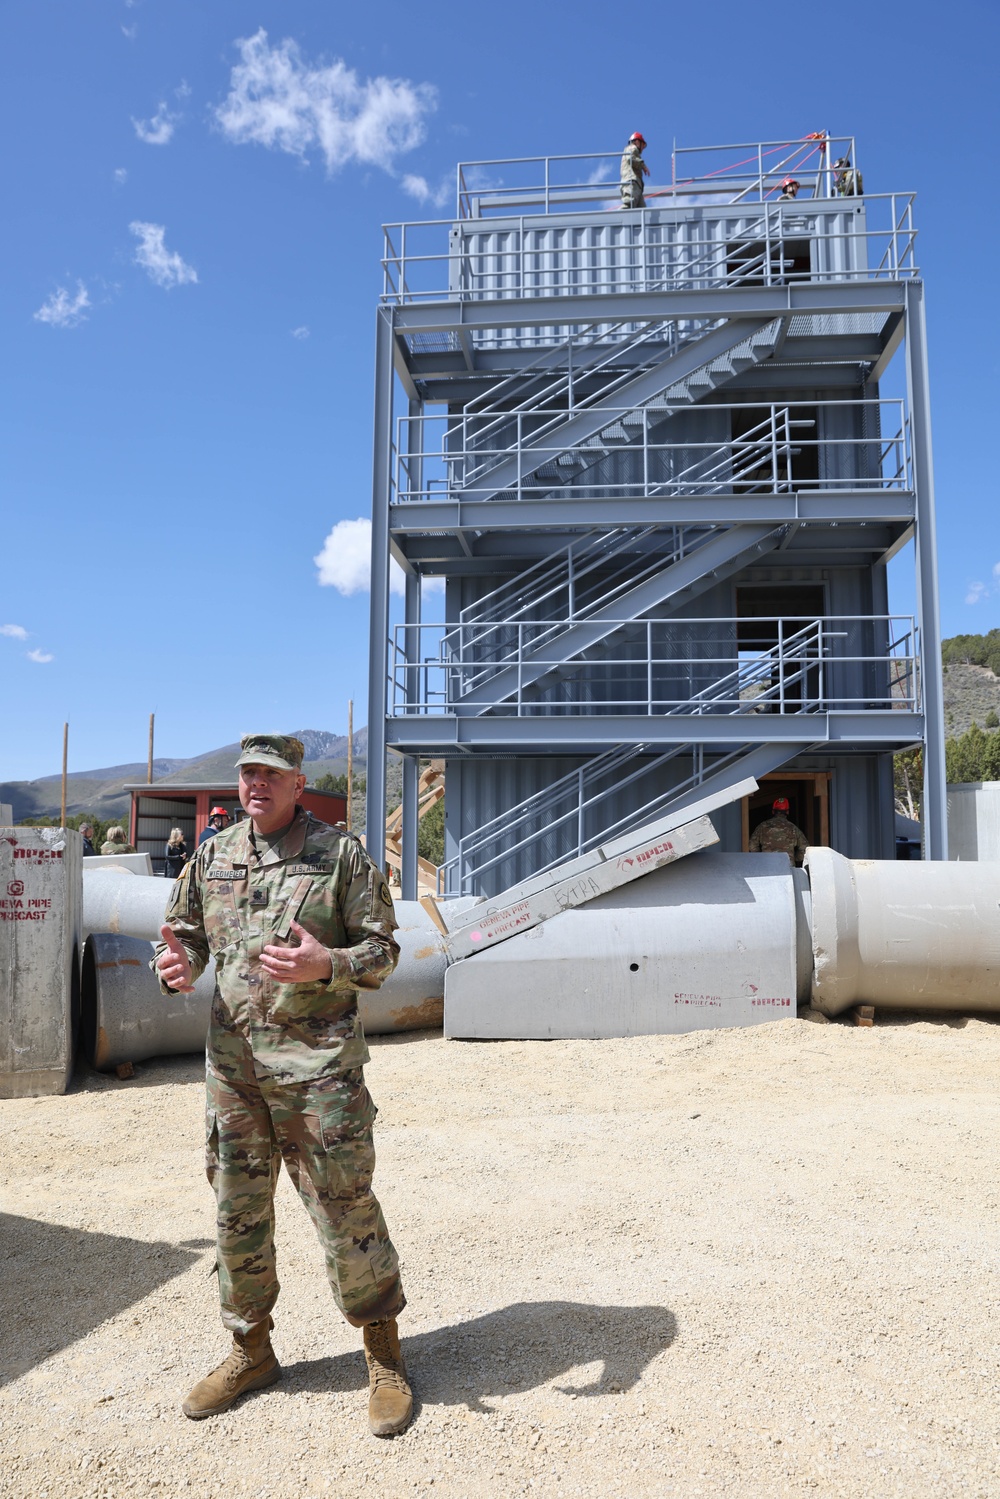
149, 762
62, 805
350, 759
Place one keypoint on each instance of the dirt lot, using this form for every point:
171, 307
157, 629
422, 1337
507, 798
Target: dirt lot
756, 1263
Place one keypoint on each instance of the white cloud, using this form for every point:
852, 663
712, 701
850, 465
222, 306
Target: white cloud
278, 100
346, 560
159, 130
977, 591
131, 31
163, 266
120, 176
302, 332
41, 658
420, 188
63, 311
15, 632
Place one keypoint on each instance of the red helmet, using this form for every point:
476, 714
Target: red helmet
780, 804
637, 135
218, 812
791, 182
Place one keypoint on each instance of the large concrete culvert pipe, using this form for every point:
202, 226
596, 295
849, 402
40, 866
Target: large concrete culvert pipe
126, 1018
902, 935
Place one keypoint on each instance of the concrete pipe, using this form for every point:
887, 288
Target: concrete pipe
124, 1016
904, 935
127, 904
127, 1019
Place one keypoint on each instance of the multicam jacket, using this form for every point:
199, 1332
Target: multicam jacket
632, 163
779, 835
241, 892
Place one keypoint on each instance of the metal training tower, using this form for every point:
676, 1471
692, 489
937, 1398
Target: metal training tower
647, 453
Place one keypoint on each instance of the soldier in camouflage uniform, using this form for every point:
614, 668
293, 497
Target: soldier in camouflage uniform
296, 919
779, 835
633, 169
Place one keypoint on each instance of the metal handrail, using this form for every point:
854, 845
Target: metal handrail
804, 644
879, 462
473, 198
652, 261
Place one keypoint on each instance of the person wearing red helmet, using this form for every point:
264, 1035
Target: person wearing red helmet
789, 190
633, 170
779, 835
218, 819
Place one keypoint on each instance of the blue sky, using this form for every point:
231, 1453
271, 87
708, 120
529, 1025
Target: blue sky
191, 413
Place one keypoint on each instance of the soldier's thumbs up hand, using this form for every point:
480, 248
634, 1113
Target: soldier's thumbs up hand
172, 965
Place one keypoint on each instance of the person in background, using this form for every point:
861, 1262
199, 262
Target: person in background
846, 179
176, 854
87, 834
116, 842
789, 190
779, 835
633, 169
218, 820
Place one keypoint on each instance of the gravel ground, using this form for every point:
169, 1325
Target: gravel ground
756, 1262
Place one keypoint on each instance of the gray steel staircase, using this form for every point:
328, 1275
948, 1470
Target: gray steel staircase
714, 554
576, 810
613, 418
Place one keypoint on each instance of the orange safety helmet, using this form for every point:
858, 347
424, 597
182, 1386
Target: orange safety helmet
218, 812
780, 804
637, 135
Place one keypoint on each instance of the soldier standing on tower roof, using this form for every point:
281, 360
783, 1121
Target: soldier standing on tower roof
847, 179
633, 169
296, 919
779, 835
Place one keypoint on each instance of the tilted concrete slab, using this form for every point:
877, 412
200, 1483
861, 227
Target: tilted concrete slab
580, 887
704, 943
649, 832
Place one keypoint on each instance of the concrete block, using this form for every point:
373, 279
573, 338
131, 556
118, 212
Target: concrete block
706, 942
40, 950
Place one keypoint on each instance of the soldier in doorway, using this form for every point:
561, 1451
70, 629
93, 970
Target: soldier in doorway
633, 169
295, 919
778, 834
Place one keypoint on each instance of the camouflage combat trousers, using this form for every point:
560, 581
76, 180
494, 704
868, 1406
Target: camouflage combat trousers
323, 1133
632, 195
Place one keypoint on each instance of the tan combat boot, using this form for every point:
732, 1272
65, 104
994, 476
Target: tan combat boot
390, 1399
250, 1366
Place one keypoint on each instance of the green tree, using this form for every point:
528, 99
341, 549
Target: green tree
991, 721
329, 782
965, 757
908, 781
430, 834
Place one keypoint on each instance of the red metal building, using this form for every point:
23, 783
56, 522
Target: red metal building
159, 807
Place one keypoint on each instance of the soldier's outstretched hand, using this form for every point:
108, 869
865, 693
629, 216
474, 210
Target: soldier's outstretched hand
172, 965
308, 963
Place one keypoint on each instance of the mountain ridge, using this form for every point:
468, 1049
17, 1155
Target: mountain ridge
101, 791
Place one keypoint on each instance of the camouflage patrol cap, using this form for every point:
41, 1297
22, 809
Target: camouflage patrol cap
280, 751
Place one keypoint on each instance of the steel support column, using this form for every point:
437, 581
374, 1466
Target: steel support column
408, 832
935, 802
379, 626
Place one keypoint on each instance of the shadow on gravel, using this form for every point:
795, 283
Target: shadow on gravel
155, 1073
59, 1284
507, 1352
